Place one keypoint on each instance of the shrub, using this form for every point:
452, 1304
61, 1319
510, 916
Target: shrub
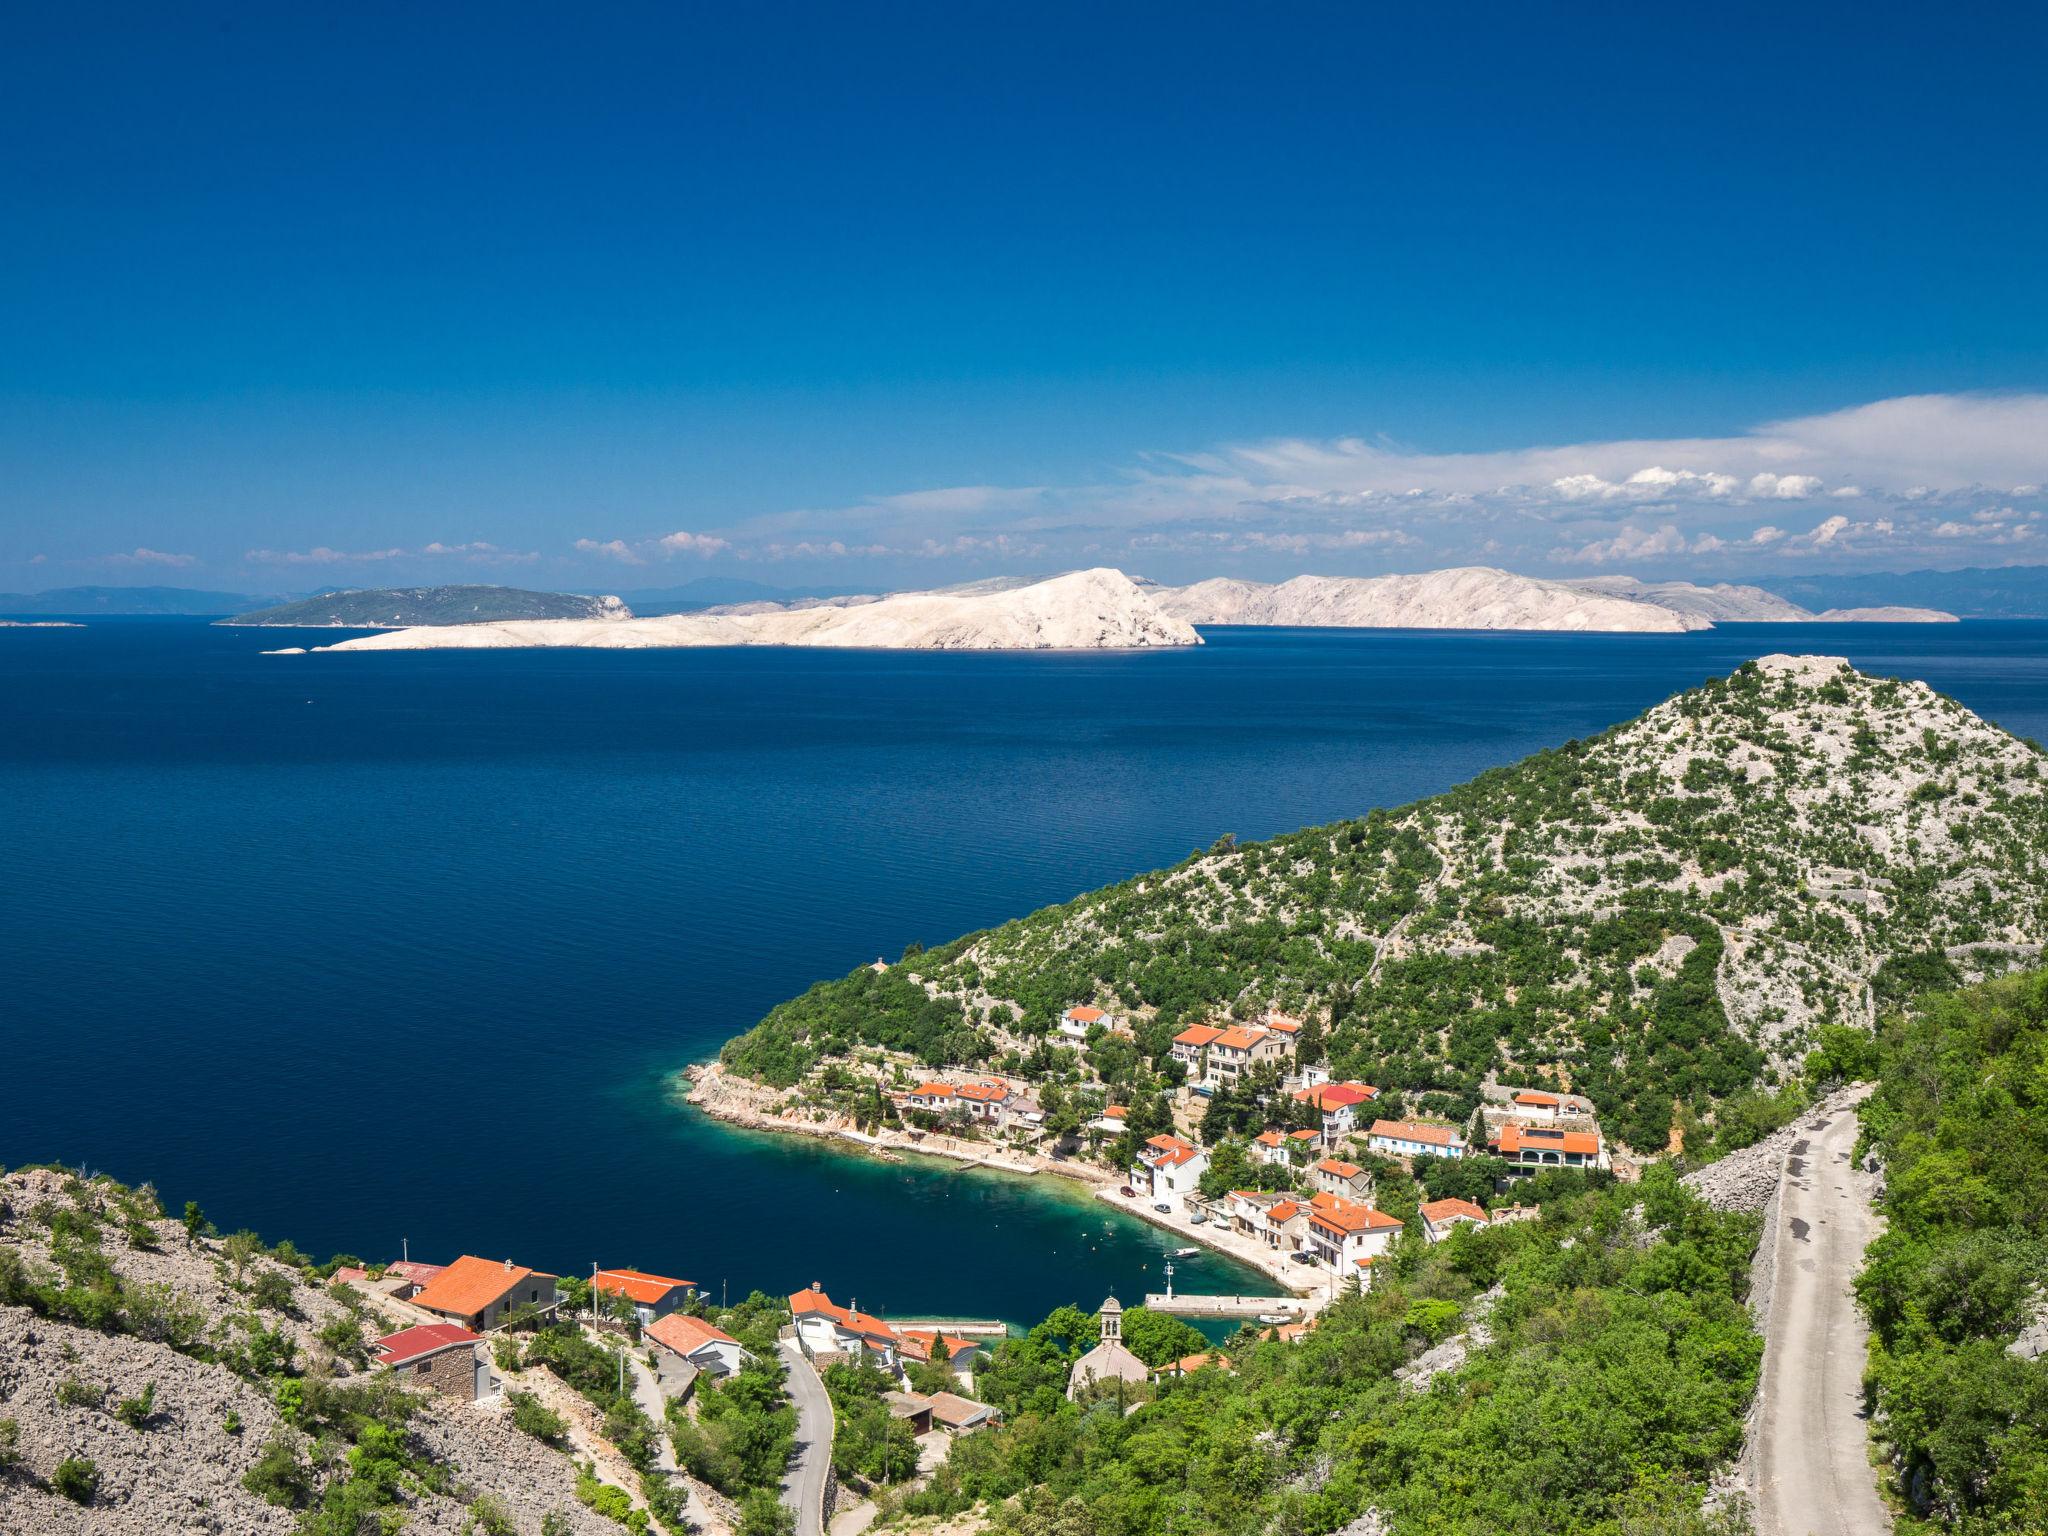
762, 1513
10, 1445
73, 1393
488, 1516
232, 1424
137, 1412
279, 1476
531, 1416
272, 1290
77, 1478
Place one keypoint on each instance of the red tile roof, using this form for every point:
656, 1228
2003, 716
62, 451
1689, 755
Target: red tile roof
410, 1344
1436, 1212
1530, 1096
418, 1274
349, 1274
648, 1290
1269, 1138
1084, 1014
1196, 1034
918, 1343
1304, 1135
1187, 1365
471, 1284
1331, 1096
1338, 1168
1239, 1038
686, 1334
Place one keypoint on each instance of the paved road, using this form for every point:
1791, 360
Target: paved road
1813, 1471
803, 1490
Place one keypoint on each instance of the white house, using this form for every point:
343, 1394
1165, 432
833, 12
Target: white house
1190, 1045
1169, 1166
1440, 1218
1269, 1147
988, 1102
1414, 1138
824, 1328
1338, 1103
1534, 1105
1236, 1050
692, 1339
1530, 1147
1348, 1235
1273, 1219
1075, 1023
1335, 1176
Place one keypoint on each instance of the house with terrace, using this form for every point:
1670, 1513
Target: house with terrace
919, 1346
650, 1296
1532, 1148
1338, 1105
692, 1341
1277, 1220
1334, 1176
1076, 1022
1168, 1166
481, 1294
827, 1331
1349, 1235
986, 1102
1269, 1147
1236, 1050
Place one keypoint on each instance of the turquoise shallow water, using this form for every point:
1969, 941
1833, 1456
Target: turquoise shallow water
379, 946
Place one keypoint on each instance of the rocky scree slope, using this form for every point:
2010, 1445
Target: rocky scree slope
1654, 916
101, 1299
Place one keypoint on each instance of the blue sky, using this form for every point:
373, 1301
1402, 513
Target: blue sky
903, 294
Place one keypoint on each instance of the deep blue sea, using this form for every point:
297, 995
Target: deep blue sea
381, 946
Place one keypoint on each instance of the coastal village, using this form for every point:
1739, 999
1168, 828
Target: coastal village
1245, 1148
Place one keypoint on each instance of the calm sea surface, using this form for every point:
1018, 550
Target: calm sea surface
363, 948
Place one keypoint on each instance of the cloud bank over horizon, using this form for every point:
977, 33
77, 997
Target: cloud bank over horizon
1925, 480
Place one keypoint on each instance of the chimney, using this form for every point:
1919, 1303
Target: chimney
817, 1285
508, 1263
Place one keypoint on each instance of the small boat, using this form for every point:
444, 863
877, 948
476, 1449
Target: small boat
1183, 1253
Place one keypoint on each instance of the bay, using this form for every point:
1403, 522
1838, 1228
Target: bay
407, 947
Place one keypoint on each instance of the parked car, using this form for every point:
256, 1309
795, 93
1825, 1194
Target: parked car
1128, 1193
1302, 1258
1162, 1207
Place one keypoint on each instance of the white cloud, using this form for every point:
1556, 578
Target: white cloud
476, 552
683, 542
143, 556
611, 549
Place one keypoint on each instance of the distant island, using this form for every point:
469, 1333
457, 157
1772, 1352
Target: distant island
1101, 609
1082, 610
1481, 597
404, 607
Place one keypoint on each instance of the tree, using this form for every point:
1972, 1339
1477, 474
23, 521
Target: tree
1158, 1338
196, 1224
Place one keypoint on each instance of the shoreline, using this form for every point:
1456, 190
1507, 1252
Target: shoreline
737, 1101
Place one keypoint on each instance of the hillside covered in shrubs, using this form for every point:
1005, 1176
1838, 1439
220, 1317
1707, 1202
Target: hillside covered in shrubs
1660, 914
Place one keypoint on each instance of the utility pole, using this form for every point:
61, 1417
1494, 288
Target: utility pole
593, 1292
405, 1249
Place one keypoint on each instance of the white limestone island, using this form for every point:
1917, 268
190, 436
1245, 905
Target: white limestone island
1481, 597
1103, 609
1094, 610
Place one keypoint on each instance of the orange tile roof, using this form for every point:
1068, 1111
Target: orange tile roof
1351, 1216
1280, 1024
1530, 1096
1165, 1143
952, 1408
636, 1285
1084, 1014
1516, 1138
1340, 1169
1187, 1365
814, 1302
918, 1343
987, 1093
1268, 1138
1416, 1130
1196, 1034
1434, 1211
1239, 1038
1284, 1211
471, 1284
686, 1334
1304, 1135
1115, 1111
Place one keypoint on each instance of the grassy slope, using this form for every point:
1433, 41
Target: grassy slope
1657, 910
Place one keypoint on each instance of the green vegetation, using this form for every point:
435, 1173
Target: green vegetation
77, 1478
868, 1442
1622, 1361
533, 1417
744, 1432
1647, 911
139, 1411
1960, 1119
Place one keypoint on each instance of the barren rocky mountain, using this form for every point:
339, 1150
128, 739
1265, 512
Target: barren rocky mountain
1082, 610
1654, 916
171, 1365
1480, 597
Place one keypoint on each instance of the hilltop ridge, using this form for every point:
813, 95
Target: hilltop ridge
1653, 916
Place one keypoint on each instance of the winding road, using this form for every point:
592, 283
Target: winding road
1811, 1441
803, 1488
